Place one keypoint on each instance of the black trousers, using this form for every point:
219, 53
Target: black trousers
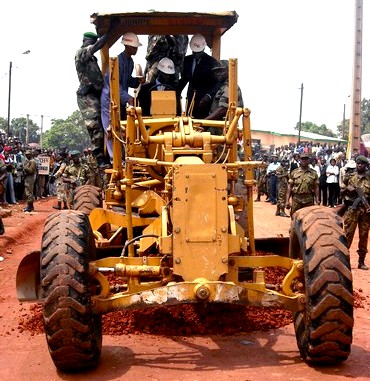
323, 194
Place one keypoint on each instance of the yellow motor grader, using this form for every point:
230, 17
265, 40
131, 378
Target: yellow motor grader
175, 224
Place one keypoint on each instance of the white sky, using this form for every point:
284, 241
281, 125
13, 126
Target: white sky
279, 45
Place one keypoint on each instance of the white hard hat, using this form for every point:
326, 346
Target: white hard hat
131, 39
166, 66
197, 43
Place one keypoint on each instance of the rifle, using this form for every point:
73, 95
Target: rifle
361, 199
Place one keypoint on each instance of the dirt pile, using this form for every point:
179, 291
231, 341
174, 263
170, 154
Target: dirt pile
183, 320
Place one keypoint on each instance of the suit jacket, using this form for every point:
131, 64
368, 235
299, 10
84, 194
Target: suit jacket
200, 81
145, 99
323, 174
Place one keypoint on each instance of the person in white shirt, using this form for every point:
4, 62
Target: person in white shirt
271, 173
332, 172
314, 165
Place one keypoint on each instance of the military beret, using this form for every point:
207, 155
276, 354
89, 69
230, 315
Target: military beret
91, 35
362, 159
74, 153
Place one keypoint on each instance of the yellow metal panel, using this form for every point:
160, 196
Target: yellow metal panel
200, 221
163, 103
201, 208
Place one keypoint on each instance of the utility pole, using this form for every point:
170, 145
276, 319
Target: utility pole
10, 91
300, 116
41, 129
27, 129
355, 122
9, 96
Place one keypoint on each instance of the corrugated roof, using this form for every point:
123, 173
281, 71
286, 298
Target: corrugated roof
304, 134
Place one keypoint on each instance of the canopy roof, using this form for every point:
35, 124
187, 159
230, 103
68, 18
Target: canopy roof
211, 25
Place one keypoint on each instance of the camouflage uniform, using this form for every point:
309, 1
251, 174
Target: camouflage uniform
60, 185
88, 97
358, 216
29, 173
92, 173
261, 182
76, 175
303, 183
282, 175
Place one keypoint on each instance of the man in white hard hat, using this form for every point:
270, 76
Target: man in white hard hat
198, 74
166, 80
126, 66
161, 46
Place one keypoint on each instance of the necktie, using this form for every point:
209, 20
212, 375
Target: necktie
195, 61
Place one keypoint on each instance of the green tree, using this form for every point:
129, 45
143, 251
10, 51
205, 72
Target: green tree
365, 116
70, 133
3, 125
18, 128
343, 133
365, 121
312, 127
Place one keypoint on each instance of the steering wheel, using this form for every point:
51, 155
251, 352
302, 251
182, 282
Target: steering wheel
167, 87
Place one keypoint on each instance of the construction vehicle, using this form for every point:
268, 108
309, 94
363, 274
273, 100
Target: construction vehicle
175, 228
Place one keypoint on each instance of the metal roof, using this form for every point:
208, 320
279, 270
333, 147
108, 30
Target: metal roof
304, 134
209, 24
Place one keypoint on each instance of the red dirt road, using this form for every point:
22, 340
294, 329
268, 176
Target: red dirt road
271, 355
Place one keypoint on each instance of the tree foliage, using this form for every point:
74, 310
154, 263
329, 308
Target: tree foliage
312, 127
18, 128
365, 121
365, 116
70, 133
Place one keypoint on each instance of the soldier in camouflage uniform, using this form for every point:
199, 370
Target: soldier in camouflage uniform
73, 176
62, 163
89, 92
261, 179
357, 213
220, 101
93, 177
303, 186
282, 186
29, 173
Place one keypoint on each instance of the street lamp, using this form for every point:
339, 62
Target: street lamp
10, 91
344, 118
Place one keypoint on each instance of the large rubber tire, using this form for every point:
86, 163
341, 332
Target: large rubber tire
324, 328
73, 332
86, 198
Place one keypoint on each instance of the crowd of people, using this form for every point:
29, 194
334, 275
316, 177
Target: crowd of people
292, 180
28, 173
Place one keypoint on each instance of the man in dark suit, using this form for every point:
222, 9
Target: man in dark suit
323, 186
165, 80
198, 74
